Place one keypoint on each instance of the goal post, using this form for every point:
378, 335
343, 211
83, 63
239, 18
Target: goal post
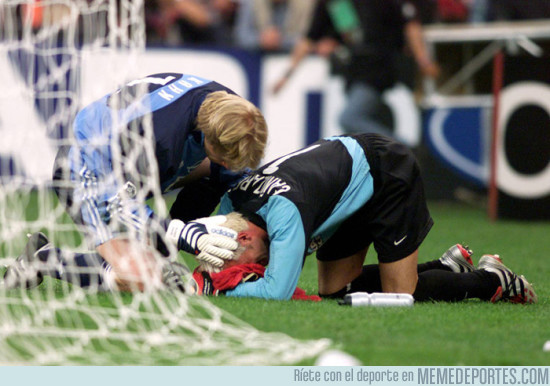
55, 57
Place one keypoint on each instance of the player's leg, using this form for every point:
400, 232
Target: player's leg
340, 259
132, 265
334, 275
345, 275
87, 270
434, 284
456, 259
396, 218
400, 276
40, 258
442, 285
399, 212
492, 282
83, 269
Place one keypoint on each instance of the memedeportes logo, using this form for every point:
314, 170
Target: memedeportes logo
483, 376
423, 375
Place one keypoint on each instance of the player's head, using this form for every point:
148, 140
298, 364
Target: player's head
234, 129
253, 243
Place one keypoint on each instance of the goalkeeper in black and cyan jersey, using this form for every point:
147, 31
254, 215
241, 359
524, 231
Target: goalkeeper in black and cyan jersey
338, 197
203, 138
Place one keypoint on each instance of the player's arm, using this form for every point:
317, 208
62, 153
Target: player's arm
415, 40
201, 171
319, 33
302, 48
286, 253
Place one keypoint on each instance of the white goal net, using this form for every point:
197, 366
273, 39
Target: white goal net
55, 57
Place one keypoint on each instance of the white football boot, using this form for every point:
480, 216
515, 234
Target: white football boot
458, 258
513, 288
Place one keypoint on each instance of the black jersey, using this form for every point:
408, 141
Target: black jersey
373, 43
300, 199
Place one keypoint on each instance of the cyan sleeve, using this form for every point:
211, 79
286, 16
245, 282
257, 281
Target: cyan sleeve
286, 252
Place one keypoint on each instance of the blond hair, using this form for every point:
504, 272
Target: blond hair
235, 128
236, 222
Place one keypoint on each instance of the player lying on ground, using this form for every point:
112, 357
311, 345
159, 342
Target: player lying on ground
452, 277
339, 196
200, 129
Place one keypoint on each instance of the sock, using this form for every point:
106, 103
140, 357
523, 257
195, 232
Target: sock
367, 281
434, 283
82, 269
440, 285
336, 295
434, 264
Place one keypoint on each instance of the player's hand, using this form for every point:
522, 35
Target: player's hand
205, 238
429, 69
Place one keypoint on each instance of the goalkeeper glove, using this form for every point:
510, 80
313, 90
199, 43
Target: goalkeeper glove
205, 238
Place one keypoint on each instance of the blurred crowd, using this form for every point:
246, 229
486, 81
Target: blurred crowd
276, 25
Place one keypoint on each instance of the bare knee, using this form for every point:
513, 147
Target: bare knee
400, 276
335, 275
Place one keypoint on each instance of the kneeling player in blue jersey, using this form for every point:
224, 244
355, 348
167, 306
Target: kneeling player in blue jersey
339, 196
203, 136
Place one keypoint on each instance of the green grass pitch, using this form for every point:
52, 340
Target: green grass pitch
466, 333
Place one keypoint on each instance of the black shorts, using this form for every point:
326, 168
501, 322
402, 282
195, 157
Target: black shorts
396, 218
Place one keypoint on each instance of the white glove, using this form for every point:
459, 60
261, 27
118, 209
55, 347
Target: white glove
205, 238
